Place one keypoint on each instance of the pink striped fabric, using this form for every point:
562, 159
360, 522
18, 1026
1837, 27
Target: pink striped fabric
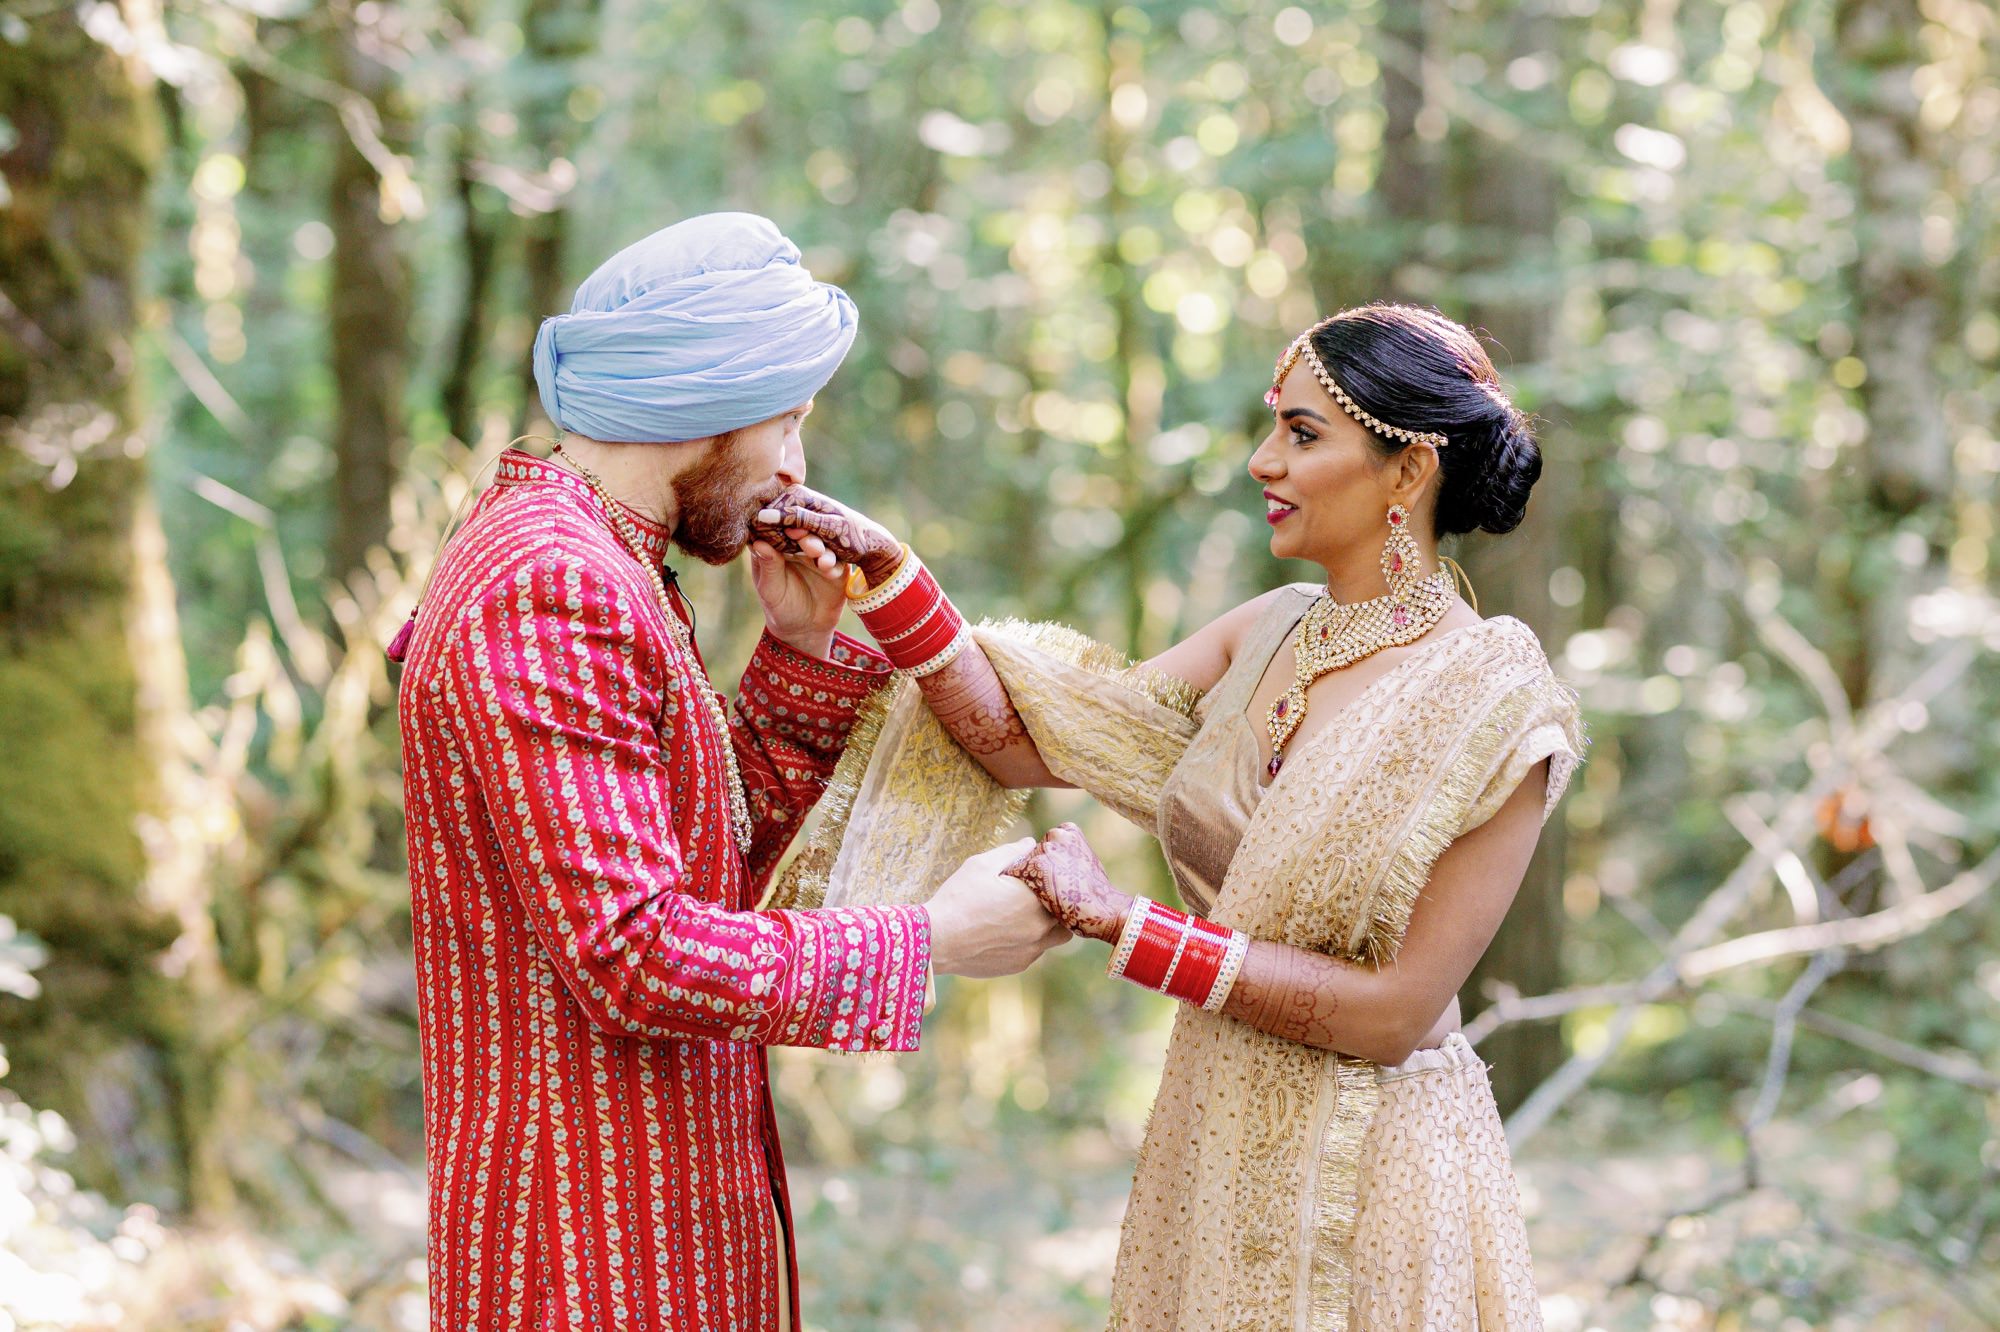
595, 989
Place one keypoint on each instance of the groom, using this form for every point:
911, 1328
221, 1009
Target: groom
590, 824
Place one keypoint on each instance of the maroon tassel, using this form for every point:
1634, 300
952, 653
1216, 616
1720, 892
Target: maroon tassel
399, 646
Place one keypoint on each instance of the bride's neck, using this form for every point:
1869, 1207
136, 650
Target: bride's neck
1358, 577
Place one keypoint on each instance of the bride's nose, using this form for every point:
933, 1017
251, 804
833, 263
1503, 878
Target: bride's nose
1264, 463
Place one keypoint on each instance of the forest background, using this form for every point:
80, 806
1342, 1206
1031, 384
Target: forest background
269, 272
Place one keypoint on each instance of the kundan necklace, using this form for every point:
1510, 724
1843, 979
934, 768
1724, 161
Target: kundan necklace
1334, 634
739, 806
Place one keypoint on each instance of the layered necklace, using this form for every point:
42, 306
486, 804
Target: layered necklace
1334, 634
628, 536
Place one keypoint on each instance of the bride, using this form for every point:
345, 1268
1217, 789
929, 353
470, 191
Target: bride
1348, 811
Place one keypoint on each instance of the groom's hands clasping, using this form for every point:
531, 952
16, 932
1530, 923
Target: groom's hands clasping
985, 923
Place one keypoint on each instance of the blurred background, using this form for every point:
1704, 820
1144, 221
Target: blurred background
269, 272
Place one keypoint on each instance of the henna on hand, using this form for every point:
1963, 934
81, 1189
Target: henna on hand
1071, 883
851, 536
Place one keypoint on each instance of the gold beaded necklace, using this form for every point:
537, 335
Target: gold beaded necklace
1334, 634
739, 805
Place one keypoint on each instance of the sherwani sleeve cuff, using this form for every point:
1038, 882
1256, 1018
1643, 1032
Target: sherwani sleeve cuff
802, 708
859, 978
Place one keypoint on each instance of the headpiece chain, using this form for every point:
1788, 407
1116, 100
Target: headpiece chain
1302, 346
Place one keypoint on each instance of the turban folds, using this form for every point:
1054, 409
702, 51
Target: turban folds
704, 326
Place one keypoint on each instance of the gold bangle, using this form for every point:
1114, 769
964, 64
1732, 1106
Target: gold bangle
878, 597
1237, 949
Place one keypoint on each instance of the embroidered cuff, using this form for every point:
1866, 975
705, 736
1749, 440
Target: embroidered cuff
808, 704
858, 979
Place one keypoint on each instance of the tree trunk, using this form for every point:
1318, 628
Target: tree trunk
1505, 204
1901, 318
479, 243
78, 773
369, 311
558, 33
1137, 376
1378, 262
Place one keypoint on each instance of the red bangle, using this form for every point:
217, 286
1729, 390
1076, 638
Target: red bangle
917, 628
1155, 950
1201, 962
1184, 956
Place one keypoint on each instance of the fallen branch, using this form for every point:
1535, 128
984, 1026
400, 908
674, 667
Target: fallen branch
1877, 725
1954, 1067
1856, 933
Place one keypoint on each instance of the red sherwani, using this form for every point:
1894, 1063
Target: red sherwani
595, 989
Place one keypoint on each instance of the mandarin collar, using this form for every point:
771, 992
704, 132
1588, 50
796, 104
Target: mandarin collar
518, 468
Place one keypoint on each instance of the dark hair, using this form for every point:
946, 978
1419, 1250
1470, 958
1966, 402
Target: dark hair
1415, 369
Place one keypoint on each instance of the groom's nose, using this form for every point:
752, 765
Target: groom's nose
792, 462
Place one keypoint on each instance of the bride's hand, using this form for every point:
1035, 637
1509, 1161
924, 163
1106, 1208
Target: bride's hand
802, 520
1070, 881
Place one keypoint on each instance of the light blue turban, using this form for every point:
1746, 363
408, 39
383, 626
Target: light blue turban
704, 326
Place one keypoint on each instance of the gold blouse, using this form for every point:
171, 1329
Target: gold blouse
1212, 792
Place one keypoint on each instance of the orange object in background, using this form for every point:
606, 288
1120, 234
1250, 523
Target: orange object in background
1843, 820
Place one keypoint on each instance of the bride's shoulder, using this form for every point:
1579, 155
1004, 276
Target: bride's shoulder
1515, 637
1234, 626
1501, 655
1204, 656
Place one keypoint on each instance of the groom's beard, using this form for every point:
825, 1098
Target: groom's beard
715, 498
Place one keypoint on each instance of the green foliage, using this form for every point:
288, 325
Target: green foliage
1078, 235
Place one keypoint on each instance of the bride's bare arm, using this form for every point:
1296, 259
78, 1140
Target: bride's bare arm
1376, 1013
967, 696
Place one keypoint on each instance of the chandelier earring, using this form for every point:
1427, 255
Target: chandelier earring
1401, 560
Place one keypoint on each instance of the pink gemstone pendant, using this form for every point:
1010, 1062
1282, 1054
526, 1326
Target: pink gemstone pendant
1400, 617
1395, 519
1277, 762
1396, 562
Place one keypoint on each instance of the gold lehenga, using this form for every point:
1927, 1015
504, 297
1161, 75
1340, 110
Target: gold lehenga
1279, 1186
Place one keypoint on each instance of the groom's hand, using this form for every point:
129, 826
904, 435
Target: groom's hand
802, 591
801, 520
985, 923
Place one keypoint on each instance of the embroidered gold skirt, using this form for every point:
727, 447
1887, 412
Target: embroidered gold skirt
1439, 1242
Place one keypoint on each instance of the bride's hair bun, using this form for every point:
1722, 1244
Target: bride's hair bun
1416, 369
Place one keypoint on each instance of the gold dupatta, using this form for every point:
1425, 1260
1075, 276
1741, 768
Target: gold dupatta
907, 805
